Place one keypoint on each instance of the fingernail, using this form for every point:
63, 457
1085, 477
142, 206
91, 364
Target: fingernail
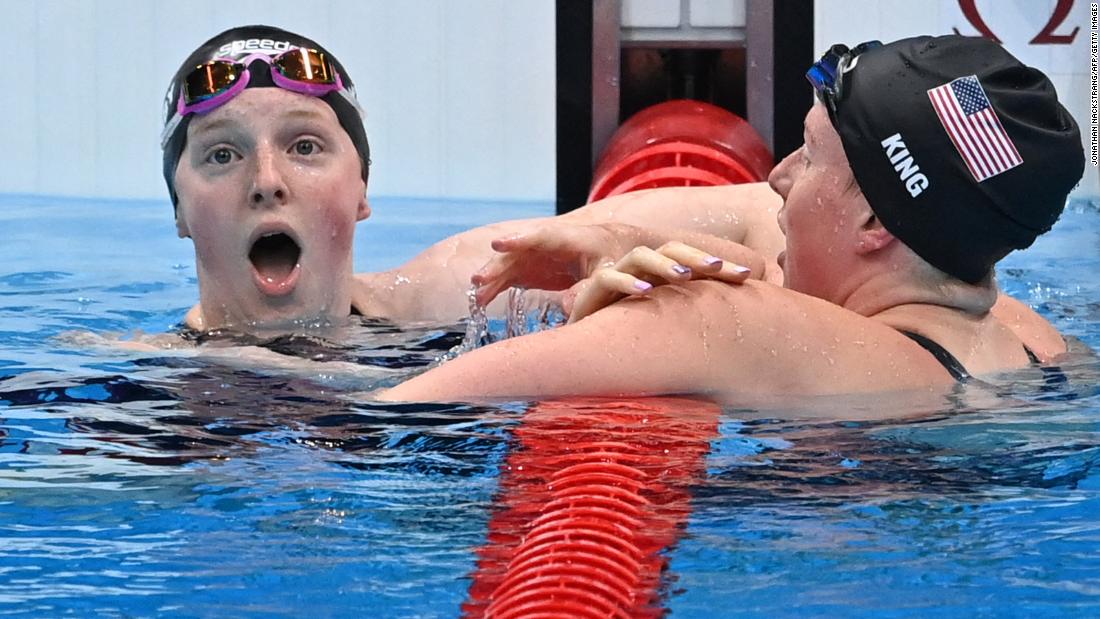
709, 260
681, 269
642, 285
740, 269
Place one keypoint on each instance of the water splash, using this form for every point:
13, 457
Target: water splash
544, 313
477, 329
526, 312
515, 319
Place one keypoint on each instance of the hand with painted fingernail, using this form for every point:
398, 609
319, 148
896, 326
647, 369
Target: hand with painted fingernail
642, 268
553, 256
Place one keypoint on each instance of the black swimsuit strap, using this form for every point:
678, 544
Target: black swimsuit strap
1052, 374
948, 360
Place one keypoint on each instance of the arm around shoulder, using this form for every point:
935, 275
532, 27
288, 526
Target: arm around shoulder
699, 338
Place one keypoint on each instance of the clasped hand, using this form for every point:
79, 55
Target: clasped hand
595, 265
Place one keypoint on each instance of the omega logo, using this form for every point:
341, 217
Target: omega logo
1046, 36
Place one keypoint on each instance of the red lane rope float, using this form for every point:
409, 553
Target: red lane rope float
680, 143
593, 495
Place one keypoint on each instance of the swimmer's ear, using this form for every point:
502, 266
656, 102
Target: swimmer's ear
873, 236
363, 211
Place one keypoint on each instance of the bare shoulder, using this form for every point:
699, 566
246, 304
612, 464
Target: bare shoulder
1033, 330
394, 295
362, 301
782, 341
701, 338
433, 285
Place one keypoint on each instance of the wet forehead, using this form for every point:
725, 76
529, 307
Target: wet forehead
254, 106
819, 133
816, 124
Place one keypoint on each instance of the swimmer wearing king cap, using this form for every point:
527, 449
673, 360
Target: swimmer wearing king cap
925, 161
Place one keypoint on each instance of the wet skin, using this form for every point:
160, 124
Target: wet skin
817, 217
270, 190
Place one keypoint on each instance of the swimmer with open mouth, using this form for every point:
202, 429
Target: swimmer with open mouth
266, 159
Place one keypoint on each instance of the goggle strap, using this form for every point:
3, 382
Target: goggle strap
170, 130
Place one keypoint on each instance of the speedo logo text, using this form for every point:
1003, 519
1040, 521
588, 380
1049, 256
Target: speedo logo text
266, 46
907, 169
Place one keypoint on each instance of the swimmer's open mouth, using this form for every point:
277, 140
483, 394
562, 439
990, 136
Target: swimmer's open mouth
275, 258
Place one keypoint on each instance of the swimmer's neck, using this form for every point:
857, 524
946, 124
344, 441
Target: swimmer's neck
889, 296
196, 320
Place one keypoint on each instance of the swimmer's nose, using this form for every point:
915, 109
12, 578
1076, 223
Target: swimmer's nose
268, 184
780, 178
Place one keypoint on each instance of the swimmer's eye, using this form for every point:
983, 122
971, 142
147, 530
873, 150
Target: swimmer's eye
221, 156
306, 147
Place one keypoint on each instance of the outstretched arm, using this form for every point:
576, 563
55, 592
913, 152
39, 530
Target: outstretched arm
744, 213
558, 255
433, 285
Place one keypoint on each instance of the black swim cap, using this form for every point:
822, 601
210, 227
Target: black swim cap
963, 152
237, 43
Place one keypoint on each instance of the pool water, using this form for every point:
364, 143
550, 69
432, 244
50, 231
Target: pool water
140, 484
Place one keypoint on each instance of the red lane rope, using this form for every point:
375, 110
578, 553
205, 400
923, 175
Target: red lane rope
593, 495
680, 143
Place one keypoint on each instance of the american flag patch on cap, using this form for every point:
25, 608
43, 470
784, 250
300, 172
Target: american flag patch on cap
969, 119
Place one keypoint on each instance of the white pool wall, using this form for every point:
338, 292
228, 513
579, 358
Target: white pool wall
459, 93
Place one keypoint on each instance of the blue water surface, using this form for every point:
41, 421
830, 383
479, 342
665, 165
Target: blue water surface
172, 485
